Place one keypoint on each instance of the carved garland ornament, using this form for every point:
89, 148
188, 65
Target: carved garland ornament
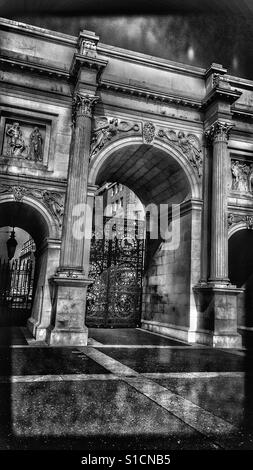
234, 219
189, 144
52, 200
106, 128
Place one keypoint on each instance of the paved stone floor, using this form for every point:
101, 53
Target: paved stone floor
128, 389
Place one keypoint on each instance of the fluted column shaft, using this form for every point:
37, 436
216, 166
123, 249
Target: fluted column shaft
72, 248
218, 137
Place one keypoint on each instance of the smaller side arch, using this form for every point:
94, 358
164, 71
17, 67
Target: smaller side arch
29, 214
236, 228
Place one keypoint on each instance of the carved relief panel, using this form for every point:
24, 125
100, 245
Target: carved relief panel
242, 176
24, 140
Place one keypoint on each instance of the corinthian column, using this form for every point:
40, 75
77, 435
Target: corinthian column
69, 285
217, 135
73, 248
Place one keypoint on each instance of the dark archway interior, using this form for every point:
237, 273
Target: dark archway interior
240, 261
240, 257
26, 217
19, 214
156, 177
151, 173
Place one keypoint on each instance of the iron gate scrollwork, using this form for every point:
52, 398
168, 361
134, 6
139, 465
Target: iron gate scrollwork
16, 285
116, 267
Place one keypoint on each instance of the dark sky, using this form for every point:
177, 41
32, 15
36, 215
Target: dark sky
196, 32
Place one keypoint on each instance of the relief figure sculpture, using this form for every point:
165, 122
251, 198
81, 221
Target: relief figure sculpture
15, 141
35, 146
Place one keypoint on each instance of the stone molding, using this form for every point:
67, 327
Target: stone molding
54, 201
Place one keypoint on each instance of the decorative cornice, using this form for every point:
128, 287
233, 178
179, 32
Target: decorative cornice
221, 91
34, 67
243, 113
149, 94
218, 131
88, 61
83, 105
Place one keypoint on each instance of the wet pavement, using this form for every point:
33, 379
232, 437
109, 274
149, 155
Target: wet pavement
177, 360
128, 390
130, 336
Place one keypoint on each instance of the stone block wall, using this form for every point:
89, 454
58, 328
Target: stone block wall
166, 290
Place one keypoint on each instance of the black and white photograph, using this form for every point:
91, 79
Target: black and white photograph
126, 232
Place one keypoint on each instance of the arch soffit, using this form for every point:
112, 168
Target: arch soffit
236, 228
101, 157
53, 229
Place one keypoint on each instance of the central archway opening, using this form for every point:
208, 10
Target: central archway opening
160, 182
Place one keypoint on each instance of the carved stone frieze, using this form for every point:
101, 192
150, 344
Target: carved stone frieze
242, 176
189, 144
106, 128
23, 141
234, 219
53, 200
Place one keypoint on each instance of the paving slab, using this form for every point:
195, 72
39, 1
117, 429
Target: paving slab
178, 360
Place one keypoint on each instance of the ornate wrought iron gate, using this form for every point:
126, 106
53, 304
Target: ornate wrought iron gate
116, 267
16, 284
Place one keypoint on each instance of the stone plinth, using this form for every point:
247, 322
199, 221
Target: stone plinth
217, 315
69, 304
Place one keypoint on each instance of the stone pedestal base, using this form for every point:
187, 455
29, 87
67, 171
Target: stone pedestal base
38, 332
217, 314
69, 303
67, 337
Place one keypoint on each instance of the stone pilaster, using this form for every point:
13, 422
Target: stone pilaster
217, 135
69, 285
217, 298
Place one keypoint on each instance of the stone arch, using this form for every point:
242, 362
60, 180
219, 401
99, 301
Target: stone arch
164, 147
240, 263
32, 215
236, 228
173, 307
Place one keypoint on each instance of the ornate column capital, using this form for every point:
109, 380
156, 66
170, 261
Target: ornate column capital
83, 105
218, 132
